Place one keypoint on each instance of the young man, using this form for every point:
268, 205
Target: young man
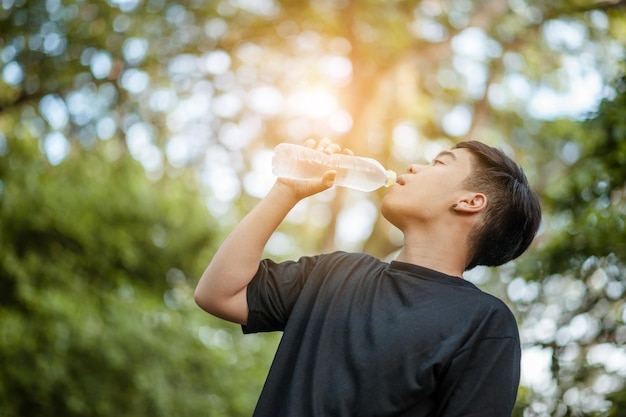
364, 337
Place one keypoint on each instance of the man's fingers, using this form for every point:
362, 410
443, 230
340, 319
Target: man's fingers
323, 144
327, 146
332, 148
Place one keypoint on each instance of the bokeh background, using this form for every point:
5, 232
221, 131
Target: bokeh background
134, 134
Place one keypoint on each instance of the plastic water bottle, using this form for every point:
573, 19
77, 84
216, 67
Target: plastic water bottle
300, 162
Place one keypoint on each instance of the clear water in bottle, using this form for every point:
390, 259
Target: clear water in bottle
358, 173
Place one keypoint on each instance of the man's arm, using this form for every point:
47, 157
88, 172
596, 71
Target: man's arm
221, 290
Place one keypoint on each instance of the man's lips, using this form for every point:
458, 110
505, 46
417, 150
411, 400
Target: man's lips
401, 180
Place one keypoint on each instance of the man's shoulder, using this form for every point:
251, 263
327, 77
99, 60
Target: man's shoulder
350, 259
498, 315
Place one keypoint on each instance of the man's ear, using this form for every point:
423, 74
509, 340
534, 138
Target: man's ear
473, 203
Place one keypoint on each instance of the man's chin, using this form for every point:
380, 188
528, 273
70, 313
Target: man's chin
388, 213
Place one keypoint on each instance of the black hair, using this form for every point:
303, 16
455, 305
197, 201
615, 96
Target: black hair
513, 212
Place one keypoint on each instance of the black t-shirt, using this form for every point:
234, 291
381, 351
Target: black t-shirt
367, 338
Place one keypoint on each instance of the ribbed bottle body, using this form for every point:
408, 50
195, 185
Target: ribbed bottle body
300, 162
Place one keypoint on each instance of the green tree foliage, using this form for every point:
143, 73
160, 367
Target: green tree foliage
97, 268
590, 189
571, 296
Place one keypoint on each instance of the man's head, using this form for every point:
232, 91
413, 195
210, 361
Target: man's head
513, 213
473, 194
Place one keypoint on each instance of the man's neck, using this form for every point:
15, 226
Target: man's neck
445, 255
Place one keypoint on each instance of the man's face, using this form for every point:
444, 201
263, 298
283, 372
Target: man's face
426, 192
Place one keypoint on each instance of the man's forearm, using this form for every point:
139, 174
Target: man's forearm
221, 290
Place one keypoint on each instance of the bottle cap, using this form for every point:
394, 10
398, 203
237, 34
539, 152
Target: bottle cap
391, 178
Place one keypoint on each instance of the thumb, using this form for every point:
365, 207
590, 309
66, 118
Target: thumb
328, 179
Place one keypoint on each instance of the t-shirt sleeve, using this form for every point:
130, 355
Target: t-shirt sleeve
273, 292
482, 381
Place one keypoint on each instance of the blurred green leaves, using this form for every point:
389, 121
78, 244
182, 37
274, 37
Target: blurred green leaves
97, 269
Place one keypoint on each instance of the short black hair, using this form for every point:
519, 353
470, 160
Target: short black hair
513, 214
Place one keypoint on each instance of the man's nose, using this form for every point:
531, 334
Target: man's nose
414, 168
